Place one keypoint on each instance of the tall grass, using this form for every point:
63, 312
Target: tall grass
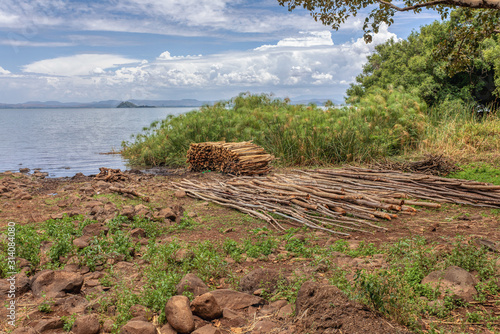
456, 131
383, 123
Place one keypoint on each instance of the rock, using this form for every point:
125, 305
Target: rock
166, 213
183, 254
24, 170
141, 311
236, 300
82, 242
128, 211
458, 281
264, 327
167, 329
179, 315
22, 262
285, 312
207, 329
88, 324
191, 283
180, 194
56, 283
95, 229
72, 304
138, 327
20, 283
328, 310
24, 330
260, 278
107, 326
279, 303
142, 210
205, 306
231, 318
47, 324
137, 233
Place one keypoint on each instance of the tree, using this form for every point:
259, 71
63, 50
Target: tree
335, 12
448, 60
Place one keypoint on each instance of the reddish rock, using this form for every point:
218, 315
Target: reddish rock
128, 211
56, 283
166, 213
141, 311
183, 255
206, 307
260, 278
458, 281
207, 329
142, 210
180, 194
285, 312
191, 283
24, 330
236, 300
264, 327
179, 315
167, 329
138, 327
88, 324
138, 233
107, 326
82, 242
47, 324
72, 304
231, 318
95, 229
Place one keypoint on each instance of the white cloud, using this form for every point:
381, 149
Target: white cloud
7, 20
18, 42
3, 71
288, 68
82, 64
307, 39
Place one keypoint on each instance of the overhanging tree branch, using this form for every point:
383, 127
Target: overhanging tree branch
488, 4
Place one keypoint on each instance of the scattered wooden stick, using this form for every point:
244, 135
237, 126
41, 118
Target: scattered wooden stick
129, 191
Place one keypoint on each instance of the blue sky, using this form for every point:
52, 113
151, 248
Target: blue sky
75, 50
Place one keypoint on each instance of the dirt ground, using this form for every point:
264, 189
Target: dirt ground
33, 199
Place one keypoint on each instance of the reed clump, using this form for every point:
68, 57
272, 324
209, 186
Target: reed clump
384, 123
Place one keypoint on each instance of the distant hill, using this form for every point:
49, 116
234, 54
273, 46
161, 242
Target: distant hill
105, 104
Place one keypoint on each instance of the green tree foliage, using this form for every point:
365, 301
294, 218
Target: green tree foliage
451, 60
335, 12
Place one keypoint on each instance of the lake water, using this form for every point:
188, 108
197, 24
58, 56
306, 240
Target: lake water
64, 142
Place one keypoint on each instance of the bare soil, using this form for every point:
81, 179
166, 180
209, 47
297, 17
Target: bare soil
28, 199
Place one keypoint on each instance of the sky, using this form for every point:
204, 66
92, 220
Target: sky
94, 50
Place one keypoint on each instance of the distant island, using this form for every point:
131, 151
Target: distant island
185, 103
128, 104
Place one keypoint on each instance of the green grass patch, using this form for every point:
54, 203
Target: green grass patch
479, 172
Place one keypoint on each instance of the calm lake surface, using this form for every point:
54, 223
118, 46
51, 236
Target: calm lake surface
64, 142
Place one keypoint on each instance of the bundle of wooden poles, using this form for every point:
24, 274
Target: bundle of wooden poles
242, 158
342, 200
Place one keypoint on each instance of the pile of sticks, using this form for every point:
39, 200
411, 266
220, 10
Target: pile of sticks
340, 201
111, 175
243, 158
432, 164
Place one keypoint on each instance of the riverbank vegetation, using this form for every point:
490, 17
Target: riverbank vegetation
414, 97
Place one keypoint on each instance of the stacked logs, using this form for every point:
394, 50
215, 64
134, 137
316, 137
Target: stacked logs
242, 158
